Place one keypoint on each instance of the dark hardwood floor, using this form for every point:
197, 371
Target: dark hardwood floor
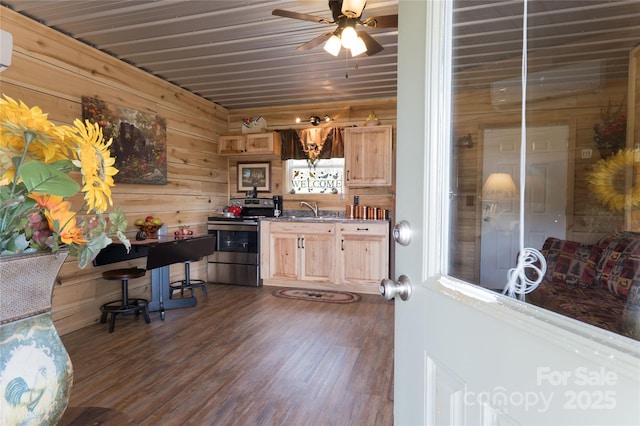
240, 357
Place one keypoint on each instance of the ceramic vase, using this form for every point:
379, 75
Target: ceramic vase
35, 369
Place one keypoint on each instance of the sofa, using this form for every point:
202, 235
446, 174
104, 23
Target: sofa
595, 283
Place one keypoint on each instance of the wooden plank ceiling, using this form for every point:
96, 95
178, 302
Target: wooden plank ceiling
238, 55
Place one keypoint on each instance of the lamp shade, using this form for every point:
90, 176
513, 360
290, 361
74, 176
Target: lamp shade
358, 47
349, 37
333, 45
499, 187
353, 8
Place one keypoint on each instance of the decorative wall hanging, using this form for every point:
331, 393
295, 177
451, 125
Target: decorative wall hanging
615, 181
292, 147
139, 141
254, 175
312, 141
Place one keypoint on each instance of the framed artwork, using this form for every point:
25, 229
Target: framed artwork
139, 141
254, 175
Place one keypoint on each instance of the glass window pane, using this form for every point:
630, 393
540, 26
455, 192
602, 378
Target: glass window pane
582, 185
325, 176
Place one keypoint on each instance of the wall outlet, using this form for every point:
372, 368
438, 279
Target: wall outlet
586, 153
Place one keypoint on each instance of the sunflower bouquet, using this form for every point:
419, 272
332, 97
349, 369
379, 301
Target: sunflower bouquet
40, 166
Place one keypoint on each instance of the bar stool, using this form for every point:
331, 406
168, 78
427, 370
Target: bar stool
127, 305
187, 283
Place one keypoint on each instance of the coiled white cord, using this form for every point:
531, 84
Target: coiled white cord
518, 283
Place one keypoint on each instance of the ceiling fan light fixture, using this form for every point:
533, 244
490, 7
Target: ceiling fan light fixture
333, 45
353, 8
349, 37
358, 47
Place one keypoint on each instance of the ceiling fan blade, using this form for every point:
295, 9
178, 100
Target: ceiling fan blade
373, 46
301, 16
385, 21
316, 41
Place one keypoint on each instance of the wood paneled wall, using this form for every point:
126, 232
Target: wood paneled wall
343, 114
53, 71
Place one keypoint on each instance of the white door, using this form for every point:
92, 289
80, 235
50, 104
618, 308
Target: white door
546, 196
464, 354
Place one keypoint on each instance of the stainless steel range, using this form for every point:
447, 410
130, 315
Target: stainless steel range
237, 257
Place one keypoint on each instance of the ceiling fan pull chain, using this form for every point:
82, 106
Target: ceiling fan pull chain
346, 64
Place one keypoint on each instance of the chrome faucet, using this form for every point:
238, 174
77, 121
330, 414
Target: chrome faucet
314, 209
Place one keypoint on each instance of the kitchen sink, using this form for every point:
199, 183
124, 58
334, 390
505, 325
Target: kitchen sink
311, 219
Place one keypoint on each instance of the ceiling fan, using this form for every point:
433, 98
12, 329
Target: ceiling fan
346, 14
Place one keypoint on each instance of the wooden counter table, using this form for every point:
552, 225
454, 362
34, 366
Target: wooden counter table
160, 253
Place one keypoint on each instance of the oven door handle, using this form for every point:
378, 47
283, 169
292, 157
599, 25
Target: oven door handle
213, 227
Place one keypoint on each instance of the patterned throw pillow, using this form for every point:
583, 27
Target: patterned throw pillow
580, 268
588, 277
550, 250
620, 264
618, 269
601, 251
568, 262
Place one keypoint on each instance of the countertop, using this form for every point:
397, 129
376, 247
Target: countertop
321, 219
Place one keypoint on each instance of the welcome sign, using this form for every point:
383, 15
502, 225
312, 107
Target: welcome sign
327, 177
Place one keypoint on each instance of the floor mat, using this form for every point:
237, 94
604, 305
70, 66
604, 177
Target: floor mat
328, 296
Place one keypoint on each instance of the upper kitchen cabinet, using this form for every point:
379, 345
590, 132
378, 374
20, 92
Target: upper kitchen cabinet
368, 156
264, 144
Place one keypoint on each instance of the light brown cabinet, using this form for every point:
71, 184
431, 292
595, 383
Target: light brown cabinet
266, 143
340, 256
300, 252
364, 253
368, 156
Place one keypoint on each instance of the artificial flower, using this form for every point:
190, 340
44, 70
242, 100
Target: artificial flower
611, 132
96, 164
608, 181
36, 160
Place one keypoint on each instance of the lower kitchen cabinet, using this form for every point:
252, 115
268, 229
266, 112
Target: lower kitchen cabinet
301, 252
340, 256
364, 253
